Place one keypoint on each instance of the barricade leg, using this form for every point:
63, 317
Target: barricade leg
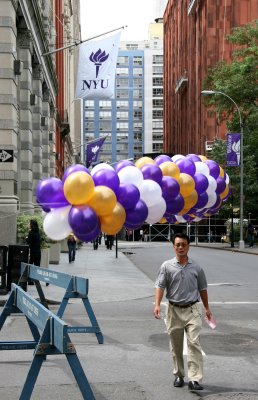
32, 377
80, 376
92, 318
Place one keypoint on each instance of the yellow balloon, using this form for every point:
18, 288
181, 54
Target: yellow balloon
103, 200
191, 200
163, 221
144, 160
170, 169
78, 188
222, 172
113, 222
187, 184
203, 158
225, 193
184, 211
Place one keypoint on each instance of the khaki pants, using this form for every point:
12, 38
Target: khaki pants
188, 320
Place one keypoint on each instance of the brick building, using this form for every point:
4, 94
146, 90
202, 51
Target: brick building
195, 39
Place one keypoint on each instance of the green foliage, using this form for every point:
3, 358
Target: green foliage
23, 221
238, 79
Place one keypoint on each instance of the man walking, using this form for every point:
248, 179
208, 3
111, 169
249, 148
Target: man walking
185, 284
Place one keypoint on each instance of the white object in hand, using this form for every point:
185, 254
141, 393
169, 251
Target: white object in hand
211, 322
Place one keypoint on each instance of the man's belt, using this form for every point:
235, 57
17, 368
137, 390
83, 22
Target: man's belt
183, 305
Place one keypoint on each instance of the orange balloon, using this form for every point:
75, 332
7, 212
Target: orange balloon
144, 160
191, 200
78, 188
222, 172
187, 184
163, 221
113, 222
184, 211
103, 200
203, 158
225, 193
170, 169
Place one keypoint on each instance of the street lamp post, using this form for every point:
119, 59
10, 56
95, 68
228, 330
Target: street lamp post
210, 92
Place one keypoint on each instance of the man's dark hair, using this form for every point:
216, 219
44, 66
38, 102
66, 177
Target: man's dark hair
181, 236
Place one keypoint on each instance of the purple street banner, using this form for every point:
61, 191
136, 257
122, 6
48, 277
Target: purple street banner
97, 68
93, 149
233, 149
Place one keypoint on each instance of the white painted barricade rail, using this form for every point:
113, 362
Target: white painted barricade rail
50, 336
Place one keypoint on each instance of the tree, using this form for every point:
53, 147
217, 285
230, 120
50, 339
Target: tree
239, 79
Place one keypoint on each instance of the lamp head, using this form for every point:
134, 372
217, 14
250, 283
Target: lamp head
208, 92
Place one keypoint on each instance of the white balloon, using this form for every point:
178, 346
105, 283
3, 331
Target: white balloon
227, 179
202, 168
156, 211
150, 192
211, 200
131, 175
56, 225
212, 185
179, 218
100, 166
177, 157
197, 219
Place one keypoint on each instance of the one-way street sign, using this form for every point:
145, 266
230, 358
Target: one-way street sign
6, 155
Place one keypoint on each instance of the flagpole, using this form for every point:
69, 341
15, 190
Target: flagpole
94, 140
81, 41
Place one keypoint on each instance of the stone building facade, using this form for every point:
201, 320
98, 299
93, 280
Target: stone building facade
195, 39
29, 88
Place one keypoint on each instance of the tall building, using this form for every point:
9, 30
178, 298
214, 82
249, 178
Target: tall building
36, 89
133, 120
194, 40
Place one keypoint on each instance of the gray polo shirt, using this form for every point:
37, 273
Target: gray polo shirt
182, 283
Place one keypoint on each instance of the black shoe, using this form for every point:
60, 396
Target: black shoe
194, 385
179, 382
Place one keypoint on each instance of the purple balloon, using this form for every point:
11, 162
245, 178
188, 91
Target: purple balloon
128, 195
174, 206
88, 237
106, 177
132, 226
187, 217
213, 167
83, 219
202, 201
153, 172
122, 164
193, 157
50, 194
137, 215
162, 158
221, 185
170, 188
201, 183
75, 168
186, 166
171, 219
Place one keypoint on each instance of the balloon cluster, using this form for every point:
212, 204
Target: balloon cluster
178, 189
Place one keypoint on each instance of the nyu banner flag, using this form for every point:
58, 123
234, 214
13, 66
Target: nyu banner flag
93, 149
97, 68
233, 149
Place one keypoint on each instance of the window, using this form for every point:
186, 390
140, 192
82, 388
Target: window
122, 82
122, 104
89, 126
89, 103
122, 147
137, 60
121, 136
137, 72
121, 71
122, 60
157, 114
137, 103
105, 114
158, 59
122, 93
157, 103
122, 114
157, 124
137, 114
157, 81
157, 147
105, 104
137, 148
137, 126
122, 125
158, 70
157, 136
132, 46
137, 136
105, 125
89, 137
89, 114
137, 82
157, 92
137, 93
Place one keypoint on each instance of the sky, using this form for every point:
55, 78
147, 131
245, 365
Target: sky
100, 16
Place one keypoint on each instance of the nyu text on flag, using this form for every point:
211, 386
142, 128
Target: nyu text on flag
233, 149
97, 68
93, 149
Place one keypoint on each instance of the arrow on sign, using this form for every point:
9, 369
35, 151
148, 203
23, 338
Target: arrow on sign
5, 155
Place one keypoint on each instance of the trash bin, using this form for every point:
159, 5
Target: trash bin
3, 267
16, 255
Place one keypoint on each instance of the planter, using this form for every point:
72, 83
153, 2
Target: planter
54, 253
44, 258
64, 247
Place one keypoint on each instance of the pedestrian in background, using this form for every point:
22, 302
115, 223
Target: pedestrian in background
34, 241
109, 241
71, 243
185, 284
251, 232
96, 243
